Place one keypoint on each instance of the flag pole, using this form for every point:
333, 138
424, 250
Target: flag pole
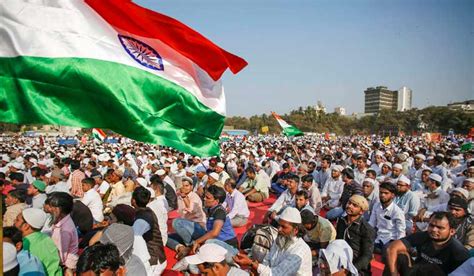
294, 149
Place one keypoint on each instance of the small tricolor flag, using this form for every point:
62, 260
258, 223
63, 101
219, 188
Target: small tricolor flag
112, 64
98, 134
288, 129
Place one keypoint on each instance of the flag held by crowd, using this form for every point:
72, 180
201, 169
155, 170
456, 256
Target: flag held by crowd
288, 129
115, 65
98, 134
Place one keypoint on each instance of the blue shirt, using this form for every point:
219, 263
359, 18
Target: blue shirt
29, 264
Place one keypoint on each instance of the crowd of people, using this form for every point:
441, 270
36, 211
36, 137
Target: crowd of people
103, 209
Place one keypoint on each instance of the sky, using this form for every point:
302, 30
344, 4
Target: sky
302, 51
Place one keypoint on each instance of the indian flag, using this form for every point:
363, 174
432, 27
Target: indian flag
98, 134
288, 129
112, 64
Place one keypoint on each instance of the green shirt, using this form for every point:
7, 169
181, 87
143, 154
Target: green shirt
43, 247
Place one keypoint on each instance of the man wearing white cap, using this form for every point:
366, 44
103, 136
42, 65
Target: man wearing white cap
223, 175
435, 197
396, 173
166, 179
332, 191
213, 179
415, 171
408, 201
385, 172
30, 222
211, 260
289, 254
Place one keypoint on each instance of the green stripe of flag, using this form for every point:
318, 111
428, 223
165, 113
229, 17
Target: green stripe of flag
93, 93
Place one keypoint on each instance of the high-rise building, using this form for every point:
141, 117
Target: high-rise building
379, 98
404, 99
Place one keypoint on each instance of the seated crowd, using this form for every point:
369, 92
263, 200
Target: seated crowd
333, 207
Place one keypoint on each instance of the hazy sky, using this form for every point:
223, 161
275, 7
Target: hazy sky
300, 52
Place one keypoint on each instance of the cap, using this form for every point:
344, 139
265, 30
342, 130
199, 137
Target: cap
290, 214
458, 202
142, 181
9, 257
208, 253
360, 201
462, 191
398, 166
34, 217
436, 177
188, 179
160, 172
221, 165
420, 156
40, 185
200, 169
214, 175
404, 179
388, 164
370, 181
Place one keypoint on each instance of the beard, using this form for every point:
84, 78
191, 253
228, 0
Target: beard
441, 239
284, 242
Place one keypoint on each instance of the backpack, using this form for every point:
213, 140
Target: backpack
247, 239
259, 239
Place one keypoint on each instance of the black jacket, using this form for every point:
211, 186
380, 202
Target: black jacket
360, 236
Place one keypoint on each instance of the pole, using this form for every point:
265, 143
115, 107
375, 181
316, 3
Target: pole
294, 149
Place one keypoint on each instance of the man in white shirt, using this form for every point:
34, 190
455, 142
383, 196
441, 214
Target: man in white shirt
92, 199
262, 175
408, 201
308, 184
436, 196
387, 218
287, 198
361, 169
289, 254
415, 171
166, 179
56, 182
160, 207
332, 191
223, 175
236, 205
36, 191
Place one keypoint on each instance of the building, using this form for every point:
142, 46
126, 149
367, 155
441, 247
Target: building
340, 110
466, 106
404, 99
320, 107
379, 98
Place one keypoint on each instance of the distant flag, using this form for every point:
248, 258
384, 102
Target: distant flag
466, 146
115, 65
98, 134
288, 129
386, 141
